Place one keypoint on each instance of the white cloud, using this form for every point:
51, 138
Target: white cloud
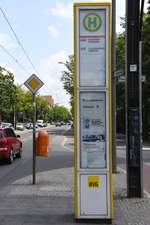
6, 41
53, 31
65, 10
19, 77
120, 12
62, 9
50, 74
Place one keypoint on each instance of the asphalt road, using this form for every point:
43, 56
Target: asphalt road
59, 157
121, 156
121, 162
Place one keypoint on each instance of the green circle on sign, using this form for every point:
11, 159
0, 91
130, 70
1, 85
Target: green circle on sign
92, 22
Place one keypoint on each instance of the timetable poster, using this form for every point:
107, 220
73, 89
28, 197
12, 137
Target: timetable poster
93, 129
92, 48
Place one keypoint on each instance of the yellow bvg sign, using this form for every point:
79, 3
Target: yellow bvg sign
93, 181
92, 22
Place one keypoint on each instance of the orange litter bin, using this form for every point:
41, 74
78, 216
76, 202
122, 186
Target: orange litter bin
42, 143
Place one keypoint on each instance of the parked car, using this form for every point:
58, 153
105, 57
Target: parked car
40, 123
5, 125
58, 124
19, 126
62, 123
28, 125
10, 145
45, 124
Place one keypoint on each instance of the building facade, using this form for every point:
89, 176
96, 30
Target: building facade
49, 100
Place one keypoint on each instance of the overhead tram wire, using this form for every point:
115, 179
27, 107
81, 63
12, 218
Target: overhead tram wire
19, 43
16, 61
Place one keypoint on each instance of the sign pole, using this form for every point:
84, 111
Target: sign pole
33, 83
34, 138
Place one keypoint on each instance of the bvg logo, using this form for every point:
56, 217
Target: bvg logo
92, 22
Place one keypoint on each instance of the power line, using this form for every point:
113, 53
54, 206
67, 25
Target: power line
16, 61
23, 49
19, 43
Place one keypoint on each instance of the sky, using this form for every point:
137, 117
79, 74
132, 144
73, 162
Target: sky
45, 30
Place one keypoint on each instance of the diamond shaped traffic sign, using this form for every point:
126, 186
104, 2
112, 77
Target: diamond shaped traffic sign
33, 83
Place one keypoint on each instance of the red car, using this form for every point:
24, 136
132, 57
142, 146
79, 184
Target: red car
10, 145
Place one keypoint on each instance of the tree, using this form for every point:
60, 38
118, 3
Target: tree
146, 72
24, 106
7, 90
68, 78
120, 88
60, 113
120, 50
42, 108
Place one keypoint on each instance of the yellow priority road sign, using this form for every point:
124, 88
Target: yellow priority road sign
33, 83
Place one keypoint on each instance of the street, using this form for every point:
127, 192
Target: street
59, 157
121, 162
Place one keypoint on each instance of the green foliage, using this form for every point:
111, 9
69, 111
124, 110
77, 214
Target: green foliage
68, 78
8, 92
24, 106
42, 108
59, 113
120, 88
120, 53
146, 72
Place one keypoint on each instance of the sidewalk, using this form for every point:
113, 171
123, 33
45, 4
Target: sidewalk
50, 201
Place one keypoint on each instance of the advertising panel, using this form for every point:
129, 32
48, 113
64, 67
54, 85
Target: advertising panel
93, 129
92, 47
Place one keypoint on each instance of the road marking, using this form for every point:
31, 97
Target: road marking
147, 194
122, 170
121, 147
63, 142
146, 148
124, 147
65, 147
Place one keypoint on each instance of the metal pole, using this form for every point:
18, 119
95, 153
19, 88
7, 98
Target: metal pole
114, 155
133, 128
140, 113
34, 138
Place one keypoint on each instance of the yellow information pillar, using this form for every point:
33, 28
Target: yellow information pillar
93, 111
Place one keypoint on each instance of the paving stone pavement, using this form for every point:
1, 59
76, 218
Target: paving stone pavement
50, 201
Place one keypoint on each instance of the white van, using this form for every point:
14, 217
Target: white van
40, 123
